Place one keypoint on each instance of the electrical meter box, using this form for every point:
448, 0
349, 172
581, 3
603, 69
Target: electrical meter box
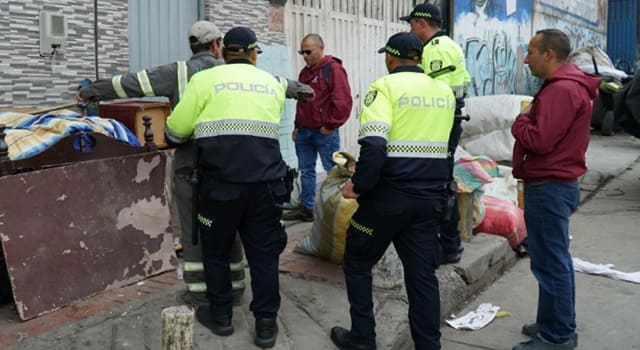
53, 33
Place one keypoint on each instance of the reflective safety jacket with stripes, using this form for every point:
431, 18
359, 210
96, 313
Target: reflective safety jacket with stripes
233, 111
167, 80
404, 132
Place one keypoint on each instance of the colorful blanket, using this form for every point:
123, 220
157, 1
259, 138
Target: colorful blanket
471, 173
28, 135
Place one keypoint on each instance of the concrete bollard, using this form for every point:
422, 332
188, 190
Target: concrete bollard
177, 328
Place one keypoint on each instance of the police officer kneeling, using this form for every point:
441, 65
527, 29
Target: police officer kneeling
233, 111
400, 184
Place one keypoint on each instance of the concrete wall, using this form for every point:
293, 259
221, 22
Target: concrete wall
494, 35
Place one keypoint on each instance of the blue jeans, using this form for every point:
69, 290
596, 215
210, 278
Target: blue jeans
310, 143
547, 210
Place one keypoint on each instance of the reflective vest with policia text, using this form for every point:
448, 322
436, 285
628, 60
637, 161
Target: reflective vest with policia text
441, 51
235, 100
413, 113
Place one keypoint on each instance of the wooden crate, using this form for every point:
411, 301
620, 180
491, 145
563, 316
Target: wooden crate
130, 113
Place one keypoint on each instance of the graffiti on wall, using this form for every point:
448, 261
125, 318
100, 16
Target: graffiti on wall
580, 36
494, 36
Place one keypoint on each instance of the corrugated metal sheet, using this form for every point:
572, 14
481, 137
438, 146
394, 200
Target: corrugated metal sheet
622, 32
158, 31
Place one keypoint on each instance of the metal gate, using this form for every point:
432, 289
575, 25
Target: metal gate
158, 31
353, 30
622, 33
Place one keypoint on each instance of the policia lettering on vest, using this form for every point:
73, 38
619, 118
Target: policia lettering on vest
233, 112
400, 183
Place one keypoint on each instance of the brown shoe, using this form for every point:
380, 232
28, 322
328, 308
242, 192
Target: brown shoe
301, 213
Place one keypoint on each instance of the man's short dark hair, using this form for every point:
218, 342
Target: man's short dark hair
317, 39
230, 55
195, 48
556, 40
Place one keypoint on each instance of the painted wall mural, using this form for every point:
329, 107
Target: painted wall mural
494, 35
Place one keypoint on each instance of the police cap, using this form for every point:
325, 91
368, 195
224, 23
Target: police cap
240, 39
426, 11
402, 45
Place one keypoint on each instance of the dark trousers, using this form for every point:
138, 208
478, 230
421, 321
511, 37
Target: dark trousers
450, 232
192, 254
252, 211
412, 224
549, 206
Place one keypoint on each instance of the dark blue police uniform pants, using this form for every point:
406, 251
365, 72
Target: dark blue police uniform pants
412, 224
449, 232
251, 210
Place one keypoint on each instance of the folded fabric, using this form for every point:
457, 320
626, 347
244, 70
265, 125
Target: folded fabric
471, 173
28, 135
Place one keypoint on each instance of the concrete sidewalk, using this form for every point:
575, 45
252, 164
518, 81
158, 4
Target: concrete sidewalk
314, 297
605, 231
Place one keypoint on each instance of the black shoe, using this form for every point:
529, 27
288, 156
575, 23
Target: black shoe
220, 324
538, 343
266, 332
342, 339
301, 213
453, 257
531, 331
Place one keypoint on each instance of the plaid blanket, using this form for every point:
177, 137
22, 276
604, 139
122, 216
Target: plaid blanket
28, 135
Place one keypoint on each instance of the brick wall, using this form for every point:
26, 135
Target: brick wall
26, 79
265, 19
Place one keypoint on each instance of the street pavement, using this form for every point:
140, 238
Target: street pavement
605, 230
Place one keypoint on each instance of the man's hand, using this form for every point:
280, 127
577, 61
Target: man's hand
79, 98
294, 133
325, 131
347, 191
305, 93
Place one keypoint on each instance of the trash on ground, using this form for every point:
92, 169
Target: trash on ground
503, 313
474, 320
605, 270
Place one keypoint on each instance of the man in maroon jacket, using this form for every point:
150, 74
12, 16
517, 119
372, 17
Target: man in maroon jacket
317, 122
552, 135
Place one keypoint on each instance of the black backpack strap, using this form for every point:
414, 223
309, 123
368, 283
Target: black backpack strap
325, 72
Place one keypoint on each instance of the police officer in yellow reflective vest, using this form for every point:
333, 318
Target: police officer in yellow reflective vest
441, 51
234, 111
400, 185
170, 80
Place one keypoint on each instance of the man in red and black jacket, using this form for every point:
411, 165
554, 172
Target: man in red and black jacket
317, 122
